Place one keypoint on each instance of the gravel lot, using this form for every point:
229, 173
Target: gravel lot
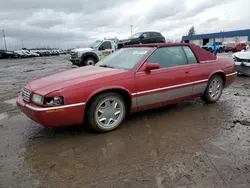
191, 144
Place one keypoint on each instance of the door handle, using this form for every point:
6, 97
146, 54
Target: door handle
186, 72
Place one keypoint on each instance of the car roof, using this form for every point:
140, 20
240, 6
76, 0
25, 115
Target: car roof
159, 45
201, 54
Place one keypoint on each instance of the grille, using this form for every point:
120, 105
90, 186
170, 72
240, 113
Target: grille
73, 55
26, 95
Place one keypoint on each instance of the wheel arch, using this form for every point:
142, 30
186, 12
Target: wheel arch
220, 73
120, 90
89, 54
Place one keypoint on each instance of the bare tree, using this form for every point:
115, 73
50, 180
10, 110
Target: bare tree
191, 31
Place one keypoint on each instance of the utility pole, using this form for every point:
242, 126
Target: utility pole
131, 28
4, 41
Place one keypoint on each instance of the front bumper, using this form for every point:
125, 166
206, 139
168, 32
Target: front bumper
243, 68
53, 116
75, 60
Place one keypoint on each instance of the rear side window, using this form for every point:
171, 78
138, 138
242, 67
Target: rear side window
168, 57
152, 34
159, 34
190, 55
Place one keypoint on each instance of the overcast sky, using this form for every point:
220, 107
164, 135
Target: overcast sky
71, 23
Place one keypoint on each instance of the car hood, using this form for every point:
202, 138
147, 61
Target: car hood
83, 49
242, 55
83, 75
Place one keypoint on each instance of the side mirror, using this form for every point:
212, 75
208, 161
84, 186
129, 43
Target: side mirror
151, 66
101, 48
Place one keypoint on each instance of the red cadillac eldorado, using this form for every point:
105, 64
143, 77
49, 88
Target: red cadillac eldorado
134, 78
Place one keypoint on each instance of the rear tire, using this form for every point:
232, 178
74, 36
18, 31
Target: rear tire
106, 112
214, 89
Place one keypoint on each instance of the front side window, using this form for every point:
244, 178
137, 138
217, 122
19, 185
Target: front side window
145, 35
169, 57
190, 55
125, 58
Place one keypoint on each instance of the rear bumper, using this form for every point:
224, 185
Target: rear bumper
53, 116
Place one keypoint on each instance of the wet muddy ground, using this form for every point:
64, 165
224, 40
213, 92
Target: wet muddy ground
191, 144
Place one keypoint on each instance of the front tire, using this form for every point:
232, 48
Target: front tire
106, 112
89, 61
214, 89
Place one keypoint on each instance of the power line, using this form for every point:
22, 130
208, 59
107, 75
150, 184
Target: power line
4, 41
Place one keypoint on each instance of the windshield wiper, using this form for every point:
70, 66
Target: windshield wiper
107, 66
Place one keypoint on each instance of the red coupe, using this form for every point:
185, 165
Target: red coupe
132, 79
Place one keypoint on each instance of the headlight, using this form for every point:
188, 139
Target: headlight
54, 100
38, 99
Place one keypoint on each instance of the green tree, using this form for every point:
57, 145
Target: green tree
191, 31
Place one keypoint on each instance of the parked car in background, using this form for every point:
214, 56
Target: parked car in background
210, 47
63, 51
134, 78
34, 54
54, 52
142, 38
242, 62
20, 54
91, 55
229, 46
7, 54
44, 53
240, 46
27, 53
30, 53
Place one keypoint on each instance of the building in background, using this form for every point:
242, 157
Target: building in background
240, 36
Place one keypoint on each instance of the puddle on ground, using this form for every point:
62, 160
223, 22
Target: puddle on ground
11, 101
3, 116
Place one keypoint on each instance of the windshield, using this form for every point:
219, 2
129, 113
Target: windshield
96, 44
125, 58
135, 35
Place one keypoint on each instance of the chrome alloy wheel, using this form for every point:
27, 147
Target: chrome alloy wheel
109, 113
215, 88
